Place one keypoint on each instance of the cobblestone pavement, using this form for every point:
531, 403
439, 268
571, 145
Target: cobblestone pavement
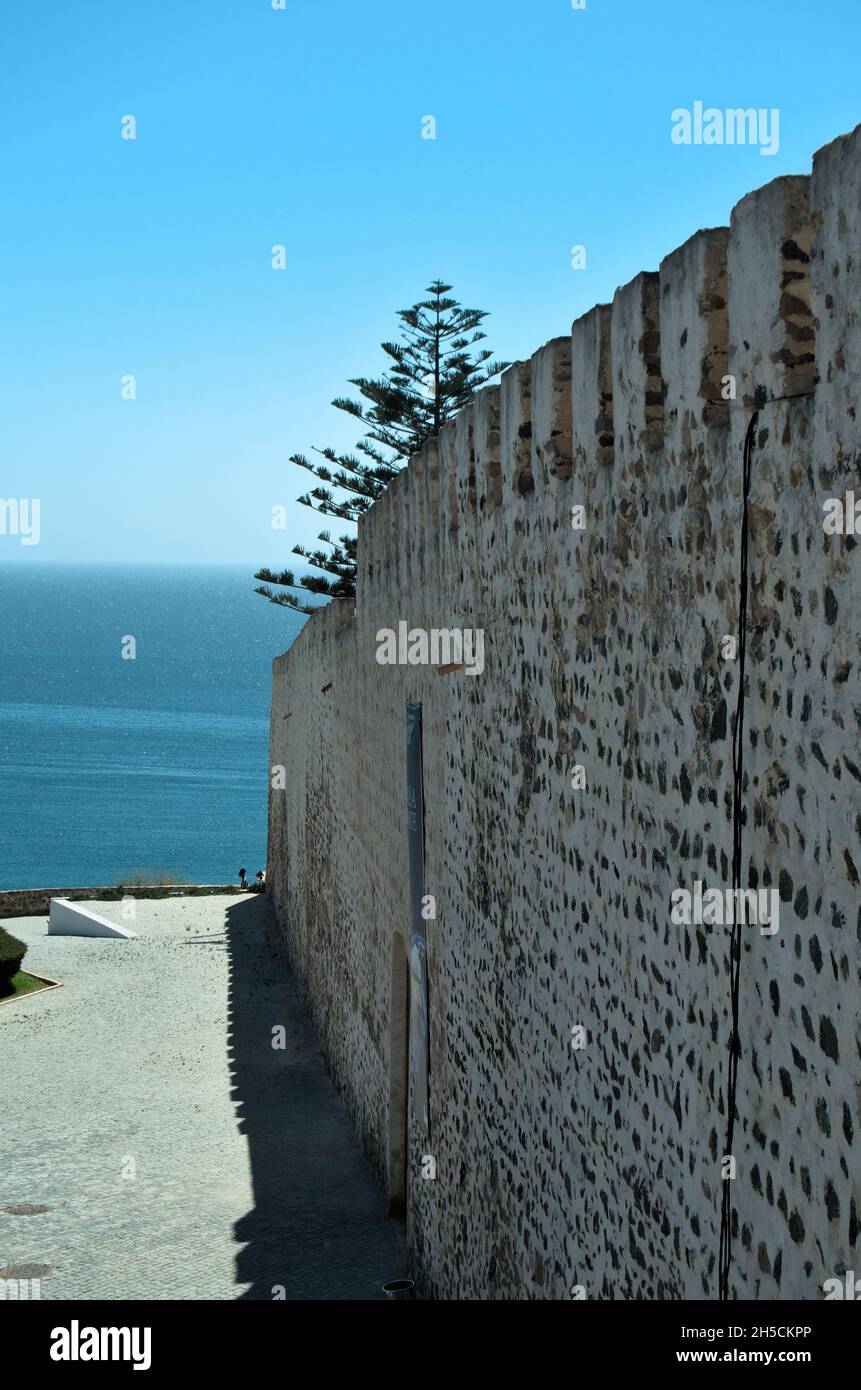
179, 1154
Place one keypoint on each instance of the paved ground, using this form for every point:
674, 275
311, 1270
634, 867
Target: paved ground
179, 1155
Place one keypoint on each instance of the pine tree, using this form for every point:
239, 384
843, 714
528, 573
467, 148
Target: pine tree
432, 373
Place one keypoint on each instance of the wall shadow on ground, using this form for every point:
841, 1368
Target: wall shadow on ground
319, 1227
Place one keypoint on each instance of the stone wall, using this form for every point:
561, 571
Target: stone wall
599, 1166
36, 902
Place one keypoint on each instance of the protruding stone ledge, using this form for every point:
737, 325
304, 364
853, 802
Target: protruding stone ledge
487, 449
430, 473
449, 511
592, 388
465, 461
415, 491
551, 454
835, 198
515, 390
771, 329
695, 330
638, 391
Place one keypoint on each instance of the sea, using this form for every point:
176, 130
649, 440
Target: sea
134, 708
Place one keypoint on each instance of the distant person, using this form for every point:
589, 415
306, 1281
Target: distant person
242, 880
260, 881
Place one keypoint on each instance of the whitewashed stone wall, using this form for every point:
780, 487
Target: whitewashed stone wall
600, 1167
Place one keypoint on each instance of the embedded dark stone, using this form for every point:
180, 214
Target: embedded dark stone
791, 251
718, 726
832, 1205
828, 1038
847, 1123
830, 607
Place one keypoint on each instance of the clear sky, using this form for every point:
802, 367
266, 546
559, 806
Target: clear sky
303, 126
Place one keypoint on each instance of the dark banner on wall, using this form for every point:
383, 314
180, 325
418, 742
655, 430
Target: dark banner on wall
417, 939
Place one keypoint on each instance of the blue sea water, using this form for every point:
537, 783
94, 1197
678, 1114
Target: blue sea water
111, 766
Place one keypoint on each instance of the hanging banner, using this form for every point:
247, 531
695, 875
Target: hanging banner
419, 1047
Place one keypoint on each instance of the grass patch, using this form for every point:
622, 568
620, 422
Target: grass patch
22, 983
151, 878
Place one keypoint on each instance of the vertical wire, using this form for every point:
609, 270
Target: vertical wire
725, 1255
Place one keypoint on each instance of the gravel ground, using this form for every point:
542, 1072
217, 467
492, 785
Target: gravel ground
178, 1153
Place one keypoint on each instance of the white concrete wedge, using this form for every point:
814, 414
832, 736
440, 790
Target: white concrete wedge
73, 919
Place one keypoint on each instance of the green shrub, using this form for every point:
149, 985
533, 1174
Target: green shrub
151, 878
12, 952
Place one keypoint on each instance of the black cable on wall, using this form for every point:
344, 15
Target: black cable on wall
725, 1255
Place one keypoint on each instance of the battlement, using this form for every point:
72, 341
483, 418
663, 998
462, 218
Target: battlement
728, 321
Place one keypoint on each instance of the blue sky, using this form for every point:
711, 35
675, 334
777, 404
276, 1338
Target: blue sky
302, 126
